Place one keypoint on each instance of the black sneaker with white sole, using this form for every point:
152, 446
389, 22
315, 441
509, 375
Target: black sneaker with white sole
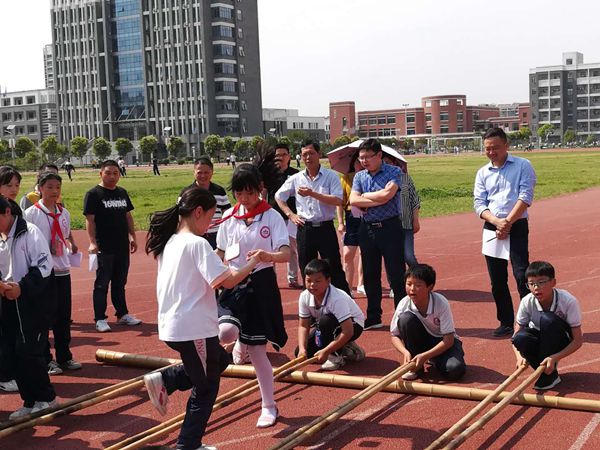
546, 382
372, 324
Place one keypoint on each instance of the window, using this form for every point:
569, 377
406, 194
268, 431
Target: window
6, 117
428, 130
221, 31
372, 120
221, 12
459, 129
31, 129
427, 103
361, 121
223, 50
569, 61
444, 102
6, 102
459, 101
443, 116
226, 86
31, 100
410, 131
225, 68
381, 120
410, 118
428, 117
391, 119
443, 130
18, 100
31, 115
459, 115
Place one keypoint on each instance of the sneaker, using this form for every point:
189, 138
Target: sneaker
545, 381
71, 365
157, 391
102, 326
361, 289
9, 386
353, 352
240, 353
371, 324
391, 294
503, 330
334, 362
128, 319
54, 368
410, 375
207, 447
295, 285
21, 412
40, 406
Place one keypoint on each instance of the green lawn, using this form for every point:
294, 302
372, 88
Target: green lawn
445, 183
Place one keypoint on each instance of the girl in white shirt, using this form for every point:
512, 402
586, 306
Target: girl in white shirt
253, 312
188, 273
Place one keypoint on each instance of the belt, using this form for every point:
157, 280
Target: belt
318, 224
381, 223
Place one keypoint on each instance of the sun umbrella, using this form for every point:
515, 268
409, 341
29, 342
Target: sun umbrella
341, 158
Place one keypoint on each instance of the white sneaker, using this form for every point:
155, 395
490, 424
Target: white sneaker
102, 326
54, 368
361, 289
21, 412
391, 294
409, 376
240, 353
40, 406
9, 386
157, 391
334, 362
128, 319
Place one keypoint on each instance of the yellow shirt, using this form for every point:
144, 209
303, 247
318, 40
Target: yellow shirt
346, 181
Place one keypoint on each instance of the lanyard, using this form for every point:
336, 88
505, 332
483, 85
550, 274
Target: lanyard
320, 309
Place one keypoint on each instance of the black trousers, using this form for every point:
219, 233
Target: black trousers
416, 339
24, 352
375, 242
536, 345
155, 170
498, 271
203, 361
322, 242
113, 270
61, 330
329, 328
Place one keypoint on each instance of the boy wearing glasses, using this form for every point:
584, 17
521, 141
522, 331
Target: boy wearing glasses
548, 326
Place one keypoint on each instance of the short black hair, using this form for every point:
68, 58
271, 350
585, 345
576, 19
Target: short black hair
495, 132
109, 162
540, 269
7, 173
282, 145
46, 176
423, 272
370, 144
318, 266
48, 165
203, 160
313, 142
246, 177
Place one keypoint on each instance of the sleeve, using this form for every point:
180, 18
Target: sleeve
222, 200
222, 234
480, 200
335, 186
527, 182
573, 313
279, 232
287, 189
394, 323
67, 224
90, 202
523, 316
413, 195
342, 308
303, 310
38, 253
356, 183
210, 265
445, 316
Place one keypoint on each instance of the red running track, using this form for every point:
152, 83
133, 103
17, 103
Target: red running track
564, 231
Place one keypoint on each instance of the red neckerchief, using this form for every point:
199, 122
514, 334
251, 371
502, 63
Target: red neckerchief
55, 227
260, 208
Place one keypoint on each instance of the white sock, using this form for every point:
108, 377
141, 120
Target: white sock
264, 374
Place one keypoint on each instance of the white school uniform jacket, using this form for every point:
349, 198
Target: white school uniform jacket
267, 232
188, 273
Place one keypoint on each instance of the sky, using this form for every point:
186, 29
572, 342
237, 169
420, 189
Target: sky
379, 53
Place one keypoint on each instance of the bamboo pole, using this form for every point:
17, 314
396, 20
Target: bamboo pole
462, 423
152, 434
495, 410
75, 404
329, 417
133, 360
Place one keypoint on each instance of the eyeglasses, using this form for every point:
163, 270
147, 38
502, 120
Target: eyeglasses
366, 157
537, 284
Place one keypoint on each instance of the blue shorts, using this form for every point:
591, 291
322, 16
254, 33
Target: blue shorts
351, 234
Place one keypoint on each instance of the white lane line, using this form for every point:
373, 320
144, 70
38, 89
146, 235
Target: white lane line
586, 433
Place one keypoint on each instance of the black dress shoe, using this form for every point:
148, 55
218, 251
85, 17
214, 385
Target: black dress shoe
503, 330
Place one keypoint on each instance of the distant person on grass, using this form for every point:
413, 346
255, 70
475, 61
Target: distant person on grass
69, 167
109, 224
330, 321
203, 173
423, 328
155, 169
548, 326
502, 194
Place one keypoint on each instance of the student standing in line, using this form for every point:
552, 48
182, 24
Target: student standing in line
25, 265
32, 197
109, 224
252, 312
188, 273
54, 222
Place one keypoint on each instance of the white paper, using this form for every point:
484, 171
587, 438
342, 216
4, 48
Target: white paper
93, 262
494, 247
75, 259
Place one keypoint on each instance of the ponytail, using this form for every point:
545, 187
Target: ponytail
163, 224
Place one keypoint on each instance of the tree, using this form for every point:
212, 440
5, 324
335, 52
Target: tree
228, 144
23, 146
175, 146
297, 137
123, 146
4, 149
354, 138
256, 142
340, 141
101, 148
525, 133
570, 136
49, 147
241, 148
148, 145
33, 159
287, 141
61, 150
213, 145
545, 130
590, 139
79, 147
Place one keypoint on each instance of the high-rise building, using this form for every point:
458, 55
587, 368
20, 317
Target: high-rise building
130, 68
566, 96
29, 114
48, 67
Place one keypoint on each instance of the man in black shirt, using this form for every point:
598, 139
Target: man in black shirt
109, 224
203, 172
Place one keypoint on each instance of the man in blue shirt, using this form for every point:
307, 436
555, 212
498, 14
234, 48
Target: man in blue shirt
376, 190
318, 191
503, 192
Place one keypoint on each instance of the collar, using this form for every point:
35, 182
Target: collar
509, 159
553, 306
255, 219
312, 302
319, 173
429, 305
45, 209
